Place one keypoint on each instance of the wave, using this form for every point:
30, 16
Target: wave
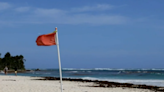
146, 82
121, 69
157, 69
2, 72
75, 69
90, 78
42, 73
134, 81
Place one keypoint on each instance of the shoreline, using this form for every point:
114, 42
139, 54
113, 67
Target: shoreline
107, 84
11, 83
97, 83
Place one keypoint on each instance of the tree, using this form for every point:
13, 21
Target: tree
0, 61
7, 55
12, 61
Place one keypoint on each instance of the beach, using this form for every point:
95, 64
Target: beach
39, 84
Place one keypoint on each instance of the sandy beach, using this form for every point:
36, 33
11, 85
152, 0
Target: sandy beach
30, 84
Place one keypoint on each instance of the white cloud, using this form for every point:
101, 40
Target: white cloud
93, 19
48, 12
4, 5
22, 9
69, 17
93, 8
58, 16
115, 53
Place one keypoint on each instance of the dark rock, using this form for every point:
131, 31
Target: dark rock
37, 69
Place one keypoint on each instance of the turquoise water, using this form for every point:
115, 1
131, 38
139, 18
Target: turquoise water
136, 76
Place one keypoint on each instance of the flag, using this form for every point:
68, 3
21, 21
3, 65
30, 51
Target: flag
46, 39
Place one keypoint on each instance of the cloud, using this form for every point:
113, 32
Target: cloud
65, 18
115, 53
48, 12
97, 7
4, 6
22, 9
71, 17
94, 19
59, 16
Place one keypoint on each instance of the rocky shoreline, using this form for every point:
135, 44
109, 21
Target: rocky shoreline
106, 84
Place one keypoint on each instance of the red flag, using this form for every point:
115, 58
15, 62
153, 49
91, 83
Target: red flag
46, 39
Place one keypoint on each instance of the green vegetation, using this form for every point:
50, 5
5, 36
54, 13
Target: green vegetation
12, 61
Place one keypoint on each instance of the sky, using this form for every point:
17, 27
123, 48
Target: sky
92, 33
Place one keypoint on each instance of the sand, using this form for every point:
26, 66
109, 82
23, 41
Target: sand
29, 84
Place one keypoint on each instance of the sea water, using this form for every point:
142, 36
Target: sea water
153, 77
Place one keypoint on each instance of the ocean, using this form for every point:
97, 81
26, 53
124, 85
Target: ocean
153, 77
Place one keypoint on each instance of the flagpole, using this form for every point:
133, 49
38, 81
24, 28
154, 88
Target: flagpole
57, 43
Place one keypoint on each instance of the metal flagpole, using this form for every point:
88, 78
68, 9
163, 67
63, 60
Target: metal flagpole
57, 43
